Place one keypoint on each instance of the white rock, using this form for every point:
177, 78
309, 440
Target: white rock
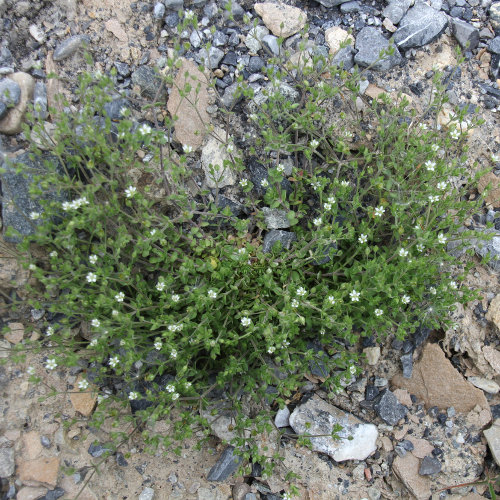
372, 355
334, 36
484, 384
147, 494
213, 156
282, 418
254, 37
315, 416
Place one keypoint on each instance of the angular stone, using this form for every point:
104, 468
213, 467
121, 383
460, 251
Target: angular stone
11, 124
270, 44
275, 218
492, 435
226, 465
421, 25
495, 16
437, 383
83, 401
10, 92
254, 37
40, 102
315, 416
372, 355
493, 182
494, 45
32, 445
216, 161
403, 397
286, 239
97, 450
190, 127
331, 3
465, 33
210, 58
282, 418
7, 463
334, 36
396, 10
149, 82
274, 15
407, 364
388, 408
489, 386
369, 43
16, 333
406, 468
114, 26
29, 493
147, 494
429, 466
41, 470
69, 46
421, 447
491, 354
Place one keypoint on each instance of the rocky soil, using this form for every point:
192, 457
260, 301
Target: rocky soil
424, 412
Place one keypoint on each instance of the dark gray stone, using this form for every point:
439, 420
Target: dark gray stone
231, 95
174, 4
407, 363
172, 20
255, 64
219, 39
344, 57
6, 59
286, 238
113, 109
495, 66
122, 68
40, 101
210, 58
270, 44
227, 465
331, 3
369, 43
236, 208
237, 11
352, 6
158, 10
3, 110
69, 46
465, 34
45, 442
317, 365
97, 450
149, 82
210, 10
10, 92
388, 408
53, 494
494, 45
120, 459
421, 335
231, 59
407, 445
421, 25
489, 248
429, 465
400, 450
396, 10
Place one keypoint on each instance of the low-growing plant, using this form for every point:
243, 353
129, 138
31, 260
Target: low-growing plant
171, 305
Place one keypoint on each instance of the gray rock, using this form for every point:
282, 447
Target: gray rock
396, 10
7, 462
216, 162
219, 39
149, 82
40, 101
255, 64
407, 445
315, 416
210, 58
237, 11
429, 465
159, 10
465, 34
351, 6
282, 418
231, 95
227, 465
147, 494
369, 43
53, 494
388, 408
490, 248
275, 218
6, 58
492, 435
10, 92
495, 16
69, 46
120, 460
332, 3
407, 363
45, 442
494, 45
122, 68
270, 42
286, 239
421, 25
174, 4
3, 110
196, 39
254, 37
114, 108
97, 450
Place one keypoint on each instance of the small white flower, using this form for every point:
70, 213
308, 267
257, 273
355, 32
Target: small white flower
344, 183
187, 148
430, 165
130, 191
30, 370
242, 251
405, 299
175, 396
91, 277
363, 238
93, 258
49, 331
34, 215
295, 303
314, 143
212, 294
66, 205
157, 345
160, 286
187, 385
453, 285
245, 321
432, 290
119, 297
379, 312
286, 496
32, 267
244, 183
144, 129
280, 168
441, 238
122, 342
264, 183
123, 111
83, 384
170, 388
133, 395
152, 232
188, 14
441, 185
93, 342
355, 296
285, 343
114, 312
113, 361
322, 331
327, 206
271, 349
53, 254
379, 211
434, 198
301, 291
175, 298
423, 126
420, 247
51, 364
95, 323
82, 201
331, 299
230, 148
173, 354
352, 369
102, 397
252, 116
316, 185
331, 200
317, 222
121, 135
403, 252
435, 148
455, 134
495, 158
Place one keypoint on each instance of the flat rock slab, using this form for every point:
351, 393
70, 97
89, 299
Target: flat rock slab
226, 466
11, 124
493, 182
274, 15
83, 401
315, 416
437, 383
406, 468
369, 43
492, 435
190, 127
40, 471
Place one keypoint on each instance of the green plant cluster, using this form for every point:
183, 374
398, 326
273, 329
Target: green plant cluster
171, 303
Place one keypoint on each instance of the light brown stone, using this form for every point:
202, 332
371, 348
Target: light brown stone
192, 119
386, 444
373, 91
39, 471
16, 333
403, 397
83, 401
493, 196
29, 493
334, 36
32, 445
421, 447
11, 124
492, 355
54, 86
274, 15
437, 383
72, 489
406, 468
11, 273
114, 26
493, 313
